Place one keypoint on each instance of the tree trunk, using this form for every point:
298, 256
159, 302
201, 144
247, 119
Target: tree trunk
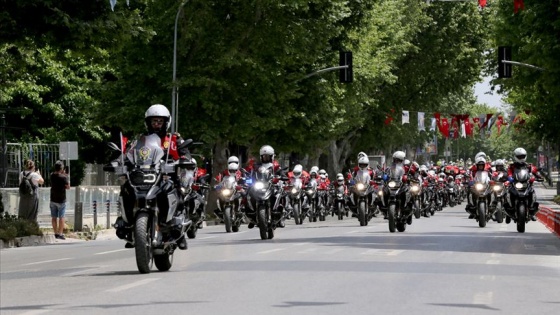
219, 158
338, 153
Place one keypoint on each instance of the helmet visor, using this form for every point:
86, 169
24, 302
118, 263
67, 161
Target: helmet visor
363, 165
297, 174
521, 156
265, 158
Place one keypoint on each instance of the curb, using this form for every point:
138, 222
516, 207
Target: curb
32, 240
550, 218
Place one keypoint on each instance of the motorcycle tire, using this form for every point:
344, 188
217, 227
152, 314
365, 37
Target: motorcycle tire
417, 210
270, 233
521, 215
263, 223
401, 226
227, 219
391, 217
499, 212
143, 243
235, 228
481, 214
163, 262
191, 232
362, 213
340, 210
297, 213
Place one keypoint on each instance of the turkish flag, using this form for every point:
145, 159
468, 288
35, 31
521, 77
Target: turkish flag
482, 3
444, 127
468, 127
518, 5
455, 126
499, 123
389, 118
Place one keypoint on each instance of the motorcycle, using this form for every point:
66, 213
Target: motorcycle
229, 203
451, 192
361, 197
295, 195
261, 211
498, 196
522, 198
416, 193
311, 200
481, 194
195, 198
151, 218
338, 194
397, 199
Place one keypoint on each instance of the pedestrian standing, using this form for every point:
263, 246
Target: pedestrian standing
59, 184
29, 203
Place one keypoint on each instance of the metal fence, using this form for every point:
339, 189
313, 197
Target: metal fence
44, 156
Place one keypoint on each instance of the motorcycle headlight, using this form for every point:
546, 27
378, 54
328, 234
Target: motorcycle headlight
479, 186
310, 191
360, 186
497, 188
414, 188
259, 185
226, 192
294, 190
380, 193
519, 185
392, 184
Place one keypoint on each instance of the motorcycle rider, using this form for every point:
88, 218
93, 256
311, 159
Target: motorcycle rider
157, 120
232, 169
296, 172
472, 171
266, 158
519, 161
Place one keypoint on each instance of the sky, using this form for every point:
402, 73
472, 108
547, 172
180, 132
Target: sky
482, 90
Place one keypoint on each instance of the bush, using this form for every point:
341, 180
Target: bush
11, 227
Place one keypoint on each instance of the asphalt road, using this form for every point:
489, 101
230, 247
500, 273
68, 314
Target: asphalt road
445, 264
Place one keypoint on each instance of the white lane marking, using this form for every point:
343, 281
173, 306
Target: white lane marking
382, 252
112, 251
271, 251
483, 298
300, 244
493, 262
355, 231
494, 255
132, 285
333, 251
307, 251
46, 261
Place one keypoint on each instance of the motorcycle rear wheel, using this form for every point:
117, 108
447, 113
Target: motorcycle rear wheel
482, 214
391, 217
227, 218
521, 214
143, 243
163, 262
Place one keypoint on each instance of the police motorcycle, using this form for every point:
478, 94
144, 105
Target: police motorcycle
482, 194
294, 191
229, 202
499, 192
521, 196
194, 196
262, 209
397, 199
416, 192
311, 200
151, 216
339, 195
361, 197
451, 189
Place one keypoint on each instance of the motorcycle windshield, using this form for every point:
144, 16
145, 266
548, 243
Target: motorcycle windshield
187, 177
229, 182
362, 176
521, 175
296, 182
482, 177
396, 173
146, 152
264, 173
312, 183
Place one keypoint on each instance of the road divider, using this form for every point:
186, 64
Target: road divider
550, 218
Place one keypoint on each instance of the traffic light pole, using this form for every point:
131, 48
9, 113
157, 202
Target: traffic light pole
522, 64
324, 70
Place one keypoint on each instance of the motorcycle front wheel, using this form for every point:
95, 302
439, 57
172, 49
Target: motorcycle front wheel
297, 213
263, 222
417, 213
340, 208
481, 214
362, 208
227, 218
391, 217
499, 212
521, 214
143, 243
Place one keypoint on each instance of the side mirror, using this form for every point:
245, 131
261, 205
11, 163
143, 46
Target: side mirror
185, 144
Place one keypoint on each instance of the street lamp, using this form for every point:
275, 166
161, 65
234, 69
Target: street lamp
174, 96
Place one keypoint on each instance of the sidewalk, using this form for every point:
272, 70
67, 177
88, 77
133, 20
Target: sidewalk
549, 213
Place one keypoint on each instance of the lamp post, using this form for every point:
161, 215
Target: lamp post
174, 96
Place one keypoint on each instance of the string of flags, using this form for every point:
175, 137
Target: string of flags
461, 125
517, 5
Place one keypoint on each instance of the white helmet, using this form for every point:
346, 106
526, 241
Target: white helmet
340, 177
479, 154
399, 155
519, 155
233, 159
499, 162
361, 154
157, 110
363, 162
480, 160
406, 162
314, 170
298, 169
322, 172
267, 154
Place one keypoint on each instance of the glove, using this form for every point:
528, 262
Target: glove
510, 179
351, 182
385, 177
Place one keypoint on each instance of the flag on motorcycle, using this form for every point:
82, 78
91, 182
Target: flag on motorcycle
405, 117
421, 126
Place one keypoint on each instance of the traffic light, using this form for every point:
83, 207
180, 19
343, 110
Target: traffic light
504, 69
346, 74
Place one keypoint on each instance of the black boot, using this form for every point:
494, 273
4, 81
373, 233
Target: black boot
128, 245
